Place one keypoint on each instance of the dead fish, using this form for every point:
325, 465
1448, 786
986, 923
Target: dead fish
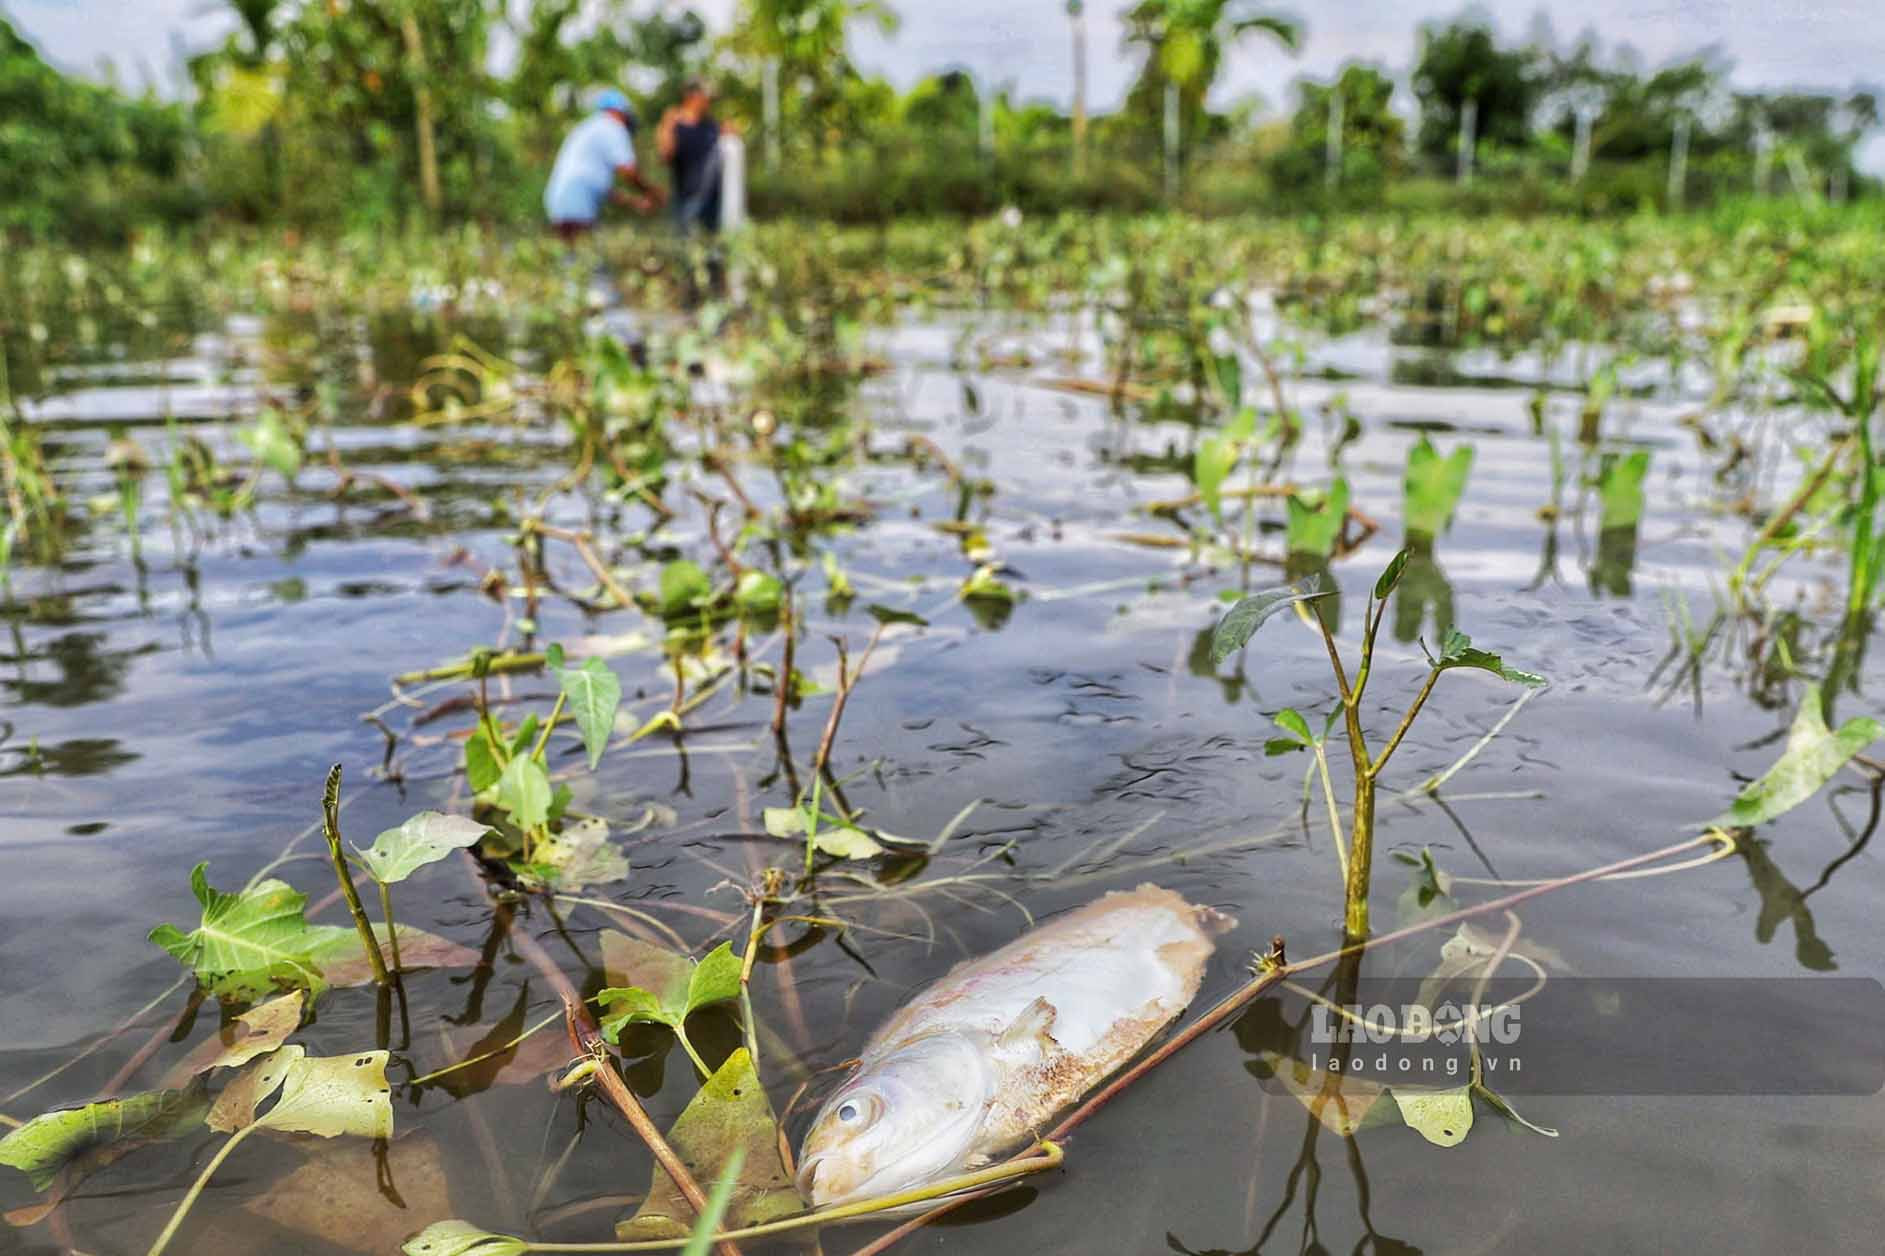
983, 1059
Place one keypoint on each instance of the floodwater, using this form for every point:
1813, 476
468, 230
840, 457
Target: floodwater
183, 701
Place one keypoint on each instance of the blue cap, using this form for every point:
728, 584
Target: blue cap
609, 99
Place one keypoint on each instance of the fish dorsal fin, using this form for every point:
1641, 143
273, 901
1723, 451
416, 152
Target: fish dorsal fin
1033, 1027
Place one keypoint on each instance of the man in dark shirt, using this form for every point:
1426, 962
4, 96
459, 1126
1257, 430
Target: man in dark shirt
689, 141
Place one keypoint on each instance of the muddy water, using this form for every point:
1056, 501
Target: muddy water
183, 701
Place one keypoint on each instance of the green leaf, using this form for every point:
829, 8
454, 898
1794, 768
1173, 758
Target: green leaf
784, 821
524, 791
424, 839
1315, 524
249, 942
701, 1239
1290, 720
273, 443
758, 592
580, 856
47, 1143
1391, 576
1281, 746
649, 983
1432, 487
1243, 619
1813, 754
1620, 486
481, 766
684, 584
461, 1238
1457, 650
525, 734
727, 1130
1443, 1117
1429, 893
1213, 461
592, 693
845, 842
334, 1095
891, 615
985, 585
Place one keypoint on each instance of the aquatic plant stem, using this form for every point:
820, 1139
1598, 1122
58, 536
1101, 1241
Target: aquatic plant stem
392, 930
330, 828
196, 1188
1407, 721
587, 1038
1335, 816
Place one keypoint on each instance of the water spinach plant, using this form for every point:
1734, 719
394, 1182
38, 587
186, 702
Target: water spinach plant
1457, 651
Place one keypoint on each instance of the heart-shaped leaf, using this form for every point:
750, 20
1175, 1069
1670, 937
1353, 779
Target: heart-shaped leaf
250, 942
593, 693
424, 839
324, 1095
1813, 754
650, 983
729, 1121
524, 791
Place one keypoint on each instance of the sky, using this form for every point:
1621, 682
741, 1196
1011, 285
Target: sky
1825, 44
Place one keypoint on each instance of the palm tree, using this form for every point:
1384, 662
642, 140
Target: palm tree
1185, 41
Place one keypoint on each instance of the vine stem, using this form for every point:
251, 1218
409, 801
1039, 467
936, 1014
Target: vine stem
196, 1188
330, 828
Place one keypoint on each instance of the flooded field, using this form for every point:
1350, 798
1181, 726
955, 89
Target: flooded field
297, 523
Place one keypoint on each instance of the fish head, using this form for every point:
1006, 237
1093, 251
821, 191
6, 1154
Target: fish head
906, 1119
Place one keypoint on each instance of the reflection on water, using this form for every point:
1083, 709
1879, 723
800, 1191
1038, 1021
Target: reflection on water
1423, 596
1106, 746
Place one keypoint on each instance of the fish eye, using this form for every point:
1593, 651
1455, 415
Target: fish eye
848, 1113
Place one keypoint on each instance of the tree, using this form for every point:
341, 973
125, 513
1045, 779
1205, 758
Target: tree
1462, 61
808, 41
1373, 135
1185, 42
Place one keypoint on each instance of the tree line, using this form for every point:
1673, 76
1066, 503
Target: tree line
331, 112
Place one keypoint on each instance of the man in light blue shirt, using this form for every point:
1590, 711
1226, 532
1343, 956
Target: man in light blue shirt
600, 149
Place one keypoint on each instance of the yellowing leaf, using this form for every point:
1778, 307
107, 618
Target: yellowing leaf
1443, 1117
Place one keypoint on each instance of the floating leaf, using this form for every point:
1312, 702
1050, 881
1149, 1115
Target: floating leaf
424, 839
1243, 619
335, 1095
248, 942
461, 1238
985, 585
784, 821
524, 791
845, 842
1457, 650
1443, 1117
1507, 1110
580, 856
1314, 525
235, 1107
708, 1222
258, 1030
730, 1119
1814, 753
1433, 486
891, 615
49, 1142
343, 961
593, 693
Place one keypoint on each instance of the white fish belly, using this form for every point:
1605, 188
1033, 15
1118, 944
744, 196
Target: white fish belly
1134, 956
